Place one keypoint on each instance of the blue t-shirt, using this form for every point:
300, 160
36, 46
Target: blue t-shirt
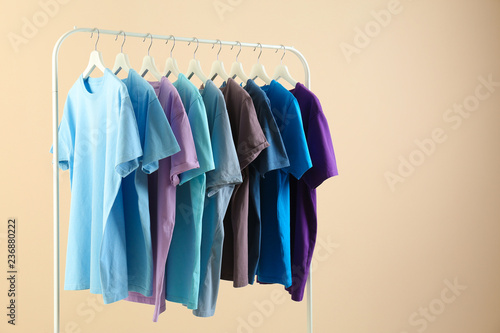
182, 272
220, 186
157, 142
275, 257
272, 158
99, 142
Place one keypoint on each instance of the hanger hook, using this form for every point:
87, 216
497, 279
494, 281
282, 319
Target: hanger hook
151, 42
237, 43
197, 44
172, 49
260, 53
220, 47
284, 52
92, 34
124, 38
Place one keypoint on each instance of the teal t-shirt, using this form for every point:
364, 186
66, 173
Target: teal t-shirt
275, 255
182, 272
157, 142
99, 142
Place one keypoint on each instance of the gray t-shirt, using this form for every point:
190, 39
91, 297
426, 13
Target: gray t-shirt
220, 186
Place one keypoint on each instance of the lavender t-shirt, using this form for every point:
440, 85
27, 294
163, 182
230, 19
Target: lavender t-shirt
162, 190
303, 216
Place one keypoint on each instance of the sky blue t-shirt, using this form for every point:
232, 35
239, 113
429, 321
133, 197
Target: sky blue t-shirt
272, 158
99, 142
275, 257
182, 272
220, 186
157, 142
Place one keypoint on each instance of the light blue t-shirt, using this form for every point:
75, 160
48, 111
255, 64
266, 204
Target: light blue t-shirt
157, 142
182, 272
220, 186
275, 257
99, 142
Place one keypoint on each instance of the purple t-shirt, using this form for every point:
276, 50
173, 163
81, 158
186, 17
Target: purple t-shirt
303, 215
162, 190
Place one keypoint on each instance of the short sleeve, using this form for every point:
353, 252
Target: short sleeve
66, 135
159, 139
250, 137
295, 141
227, 168
128, 143
199, 125
275, 156
186, 158
321, 149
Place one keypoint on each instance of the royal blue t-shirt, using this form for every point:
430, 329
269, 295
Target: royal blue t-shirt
275, 257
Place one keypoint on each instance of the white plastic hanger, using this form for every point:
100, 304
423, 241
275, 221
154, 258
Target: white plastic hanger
237, 67
258, 70
194, 67
218, 66
121, 61
281, 71
95, 59
148, 63
171, 66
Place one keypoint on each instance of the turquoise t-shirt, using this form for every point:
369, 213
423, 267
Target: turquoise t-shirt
99, 142
275, 255
220, 186
182, 272
157, 142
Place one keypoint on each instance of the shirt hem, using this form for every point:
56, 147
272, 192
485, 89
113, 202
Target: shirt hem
252, 154
181, 168
146, 168
139, 289
204, 313
237, 283
273, 280
322, 177
182, 300
141, 299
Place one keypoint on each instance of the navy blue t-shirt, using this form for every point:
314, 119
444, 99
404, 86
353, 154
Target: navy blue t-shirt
273, 157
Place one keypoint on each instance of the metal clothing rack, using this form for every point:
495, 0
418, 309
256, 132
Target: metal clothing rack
55, 122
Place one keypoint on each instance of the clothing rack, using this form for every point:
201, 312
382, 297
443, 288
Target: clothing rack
55, 123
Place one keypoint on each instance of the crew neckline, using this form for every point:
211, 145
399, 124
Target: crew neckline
95, 83
180, 78
269, 87
298, 87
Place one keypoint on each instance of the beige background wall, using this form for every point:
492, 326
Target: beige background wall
387, 255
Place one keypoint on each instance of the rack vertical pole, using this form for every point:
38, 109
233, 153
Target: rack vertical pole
55, 190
